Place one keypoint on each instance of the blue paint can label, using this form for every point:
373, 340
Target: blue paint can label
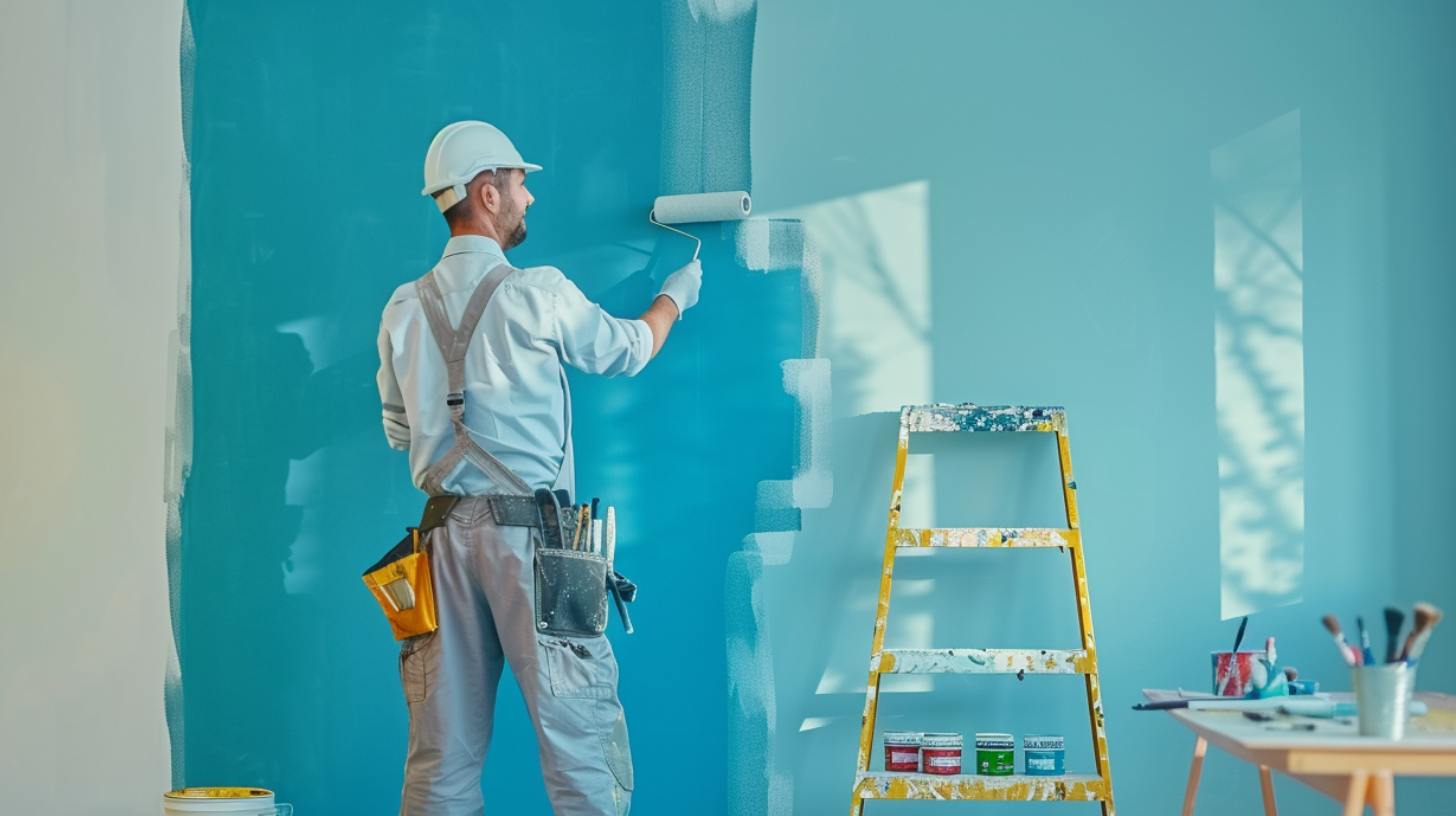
1046, 755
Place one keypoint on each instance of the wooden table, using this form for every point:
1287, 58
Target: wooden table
1333, 759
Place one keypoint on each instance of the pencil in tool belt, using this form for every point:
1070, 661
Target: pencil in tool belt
580, 523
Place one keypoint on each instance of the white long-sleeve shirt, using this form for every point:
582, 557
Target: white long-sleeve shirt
515, 403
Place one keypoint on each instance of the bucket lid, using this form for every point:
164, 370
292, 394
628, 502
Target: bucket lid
903, 737
219, 793
991, 741
942, 740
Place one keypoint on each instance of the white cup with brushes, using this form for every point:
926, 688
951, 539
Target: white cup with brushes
1383, 692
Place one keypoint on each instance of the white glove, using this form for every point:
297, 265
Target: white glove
397, 430
682, 286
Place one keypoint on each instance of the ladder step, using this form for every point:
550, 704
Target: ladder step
986, 537
983, 661
1065, 788
984, 419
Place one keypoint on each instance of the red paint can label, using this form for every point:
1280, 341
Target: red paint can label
941, 760
902, 758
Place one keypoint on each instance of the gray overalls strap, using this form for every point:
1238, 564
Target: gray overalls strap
454, 344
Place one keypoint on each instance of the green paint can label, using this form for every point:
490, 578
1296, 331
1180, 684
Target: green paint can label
995, 754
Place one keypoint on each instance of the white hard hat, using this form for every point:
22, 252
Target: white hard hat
463, 151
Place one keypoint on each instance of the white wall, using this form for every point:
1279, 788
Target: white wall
91, 179
1072, 240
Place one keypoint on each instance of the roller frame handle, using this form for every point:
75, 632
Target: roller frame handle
652, 216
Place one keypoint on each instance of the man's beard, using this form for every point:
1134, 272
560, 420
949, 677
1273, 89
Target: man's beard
513, 237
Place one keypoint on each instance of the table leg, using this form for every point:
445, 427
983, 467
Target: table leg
1199, 749
1384, 793
1355, 798
1266, 782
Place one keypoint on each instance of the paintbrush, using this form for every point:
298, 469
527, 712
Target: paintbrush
1332, 623
1394, 620
1367, 656
1426, 618
1227, 704
1234, 658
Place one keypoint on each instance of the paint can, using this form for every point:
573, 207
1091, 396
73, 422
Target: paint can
995, 754
1233, 674
1303, 687
902, 750
1046, 755
231, 801
940, 753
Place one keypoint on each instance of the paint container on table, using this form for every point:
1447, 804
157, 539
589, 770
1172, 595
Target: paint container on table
1383, 697
230, 801
1233, 674
995, 754
902, 750
940, 753
1046, 755
1303, 687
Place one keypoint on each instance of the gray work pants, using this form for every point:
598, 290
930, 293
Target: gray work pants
485, 593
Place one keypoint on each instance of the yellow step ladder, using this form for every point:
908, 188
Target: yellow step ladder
870, 784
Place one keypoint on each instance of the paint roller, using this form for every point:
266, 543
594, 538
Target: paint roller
697, 208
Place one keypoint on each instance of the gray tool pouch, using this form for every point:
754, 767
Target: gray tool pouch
571, 584
571, 592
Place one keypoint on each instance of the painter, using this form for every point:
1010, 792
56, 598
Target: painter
473, 383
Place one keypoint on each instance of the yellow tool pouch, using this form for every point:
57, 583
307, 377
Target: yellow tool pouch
400, 582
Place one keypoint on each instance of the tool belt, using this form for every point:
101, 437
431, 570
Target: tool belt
572, 578
400, 582
571, 582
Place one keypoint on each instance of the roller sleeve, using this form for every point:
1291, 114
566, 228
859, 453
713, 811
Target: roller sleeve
699, 207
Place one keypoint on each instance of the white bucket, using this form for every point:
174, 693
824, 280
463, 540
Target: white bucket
232, 801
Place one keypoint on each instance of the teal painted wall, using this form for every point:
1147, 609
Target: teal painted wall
1063, 154
310, 128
